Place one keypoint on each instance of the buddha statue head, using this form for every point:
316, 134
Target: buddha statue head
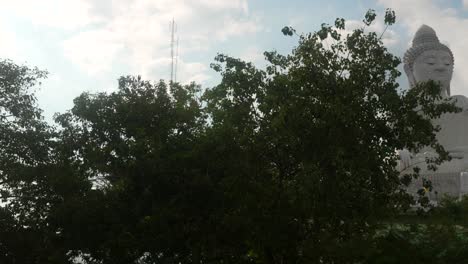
428, 59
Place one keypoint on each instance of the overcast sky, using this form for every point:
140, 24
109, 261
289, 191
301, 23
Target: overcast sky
87, 44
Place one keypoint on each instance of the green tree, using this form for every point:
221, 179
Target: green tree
25, 156
139, 147
316, 135
292, 164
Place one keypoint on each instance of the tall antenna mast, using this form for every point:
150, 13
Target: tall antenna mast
177, 60
172, 49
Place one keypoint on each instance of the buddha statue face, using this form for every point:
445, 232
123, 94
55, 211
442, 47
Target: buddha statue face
434, 65
428, 59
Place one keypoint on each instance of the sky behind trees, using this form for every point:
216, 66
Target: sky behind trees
86, 45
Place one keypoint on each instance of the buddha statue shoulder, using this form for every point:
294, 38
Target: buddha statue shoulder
428, 59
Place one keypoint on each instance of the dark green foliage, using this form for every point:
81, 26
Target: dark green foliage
288, 31
292, 164
440, 236
26, 174
390, 17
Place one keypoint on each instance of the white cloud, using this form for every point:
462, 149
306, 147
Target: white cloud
226, 4
465, 4
186, 71
69, 14
389, 37
92, 51
9, 45
234, 27
253, 54
137, 33
450, 26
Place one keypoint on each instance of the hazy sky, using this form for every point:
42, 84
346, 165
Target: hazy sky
87, 44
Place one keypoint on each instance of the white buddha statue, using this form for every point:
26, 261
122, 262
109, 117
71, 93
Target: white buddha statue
428, 59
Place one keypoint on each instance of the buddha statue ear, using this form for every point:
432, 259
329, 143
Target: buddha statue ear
409, 74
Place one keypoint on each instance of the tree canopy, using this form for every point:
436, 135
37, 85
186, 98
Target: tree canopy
294, 163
